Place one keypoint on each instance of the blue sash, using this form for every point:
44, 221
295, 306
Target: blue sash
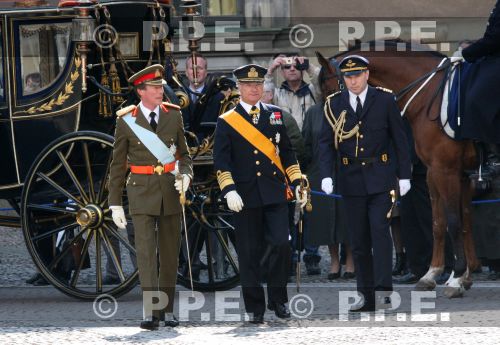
151, 140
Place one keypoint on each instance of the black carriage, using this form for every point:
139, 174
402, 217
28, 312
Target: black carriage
63, 71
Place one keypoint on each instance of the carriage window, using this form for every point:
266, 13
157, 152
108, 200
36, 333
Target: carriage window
44, 49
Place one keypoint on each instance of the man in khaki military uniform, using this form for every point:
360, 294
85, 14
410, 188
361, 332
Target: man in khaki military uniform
150, 138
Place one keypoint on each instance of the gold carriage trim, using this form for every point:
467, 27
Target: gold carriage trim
293, 172
63, 95
224, 178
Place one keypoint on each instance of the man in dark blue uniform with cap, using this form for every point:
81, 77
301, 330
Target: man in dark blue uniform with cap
360, 126
482, 101
254, 160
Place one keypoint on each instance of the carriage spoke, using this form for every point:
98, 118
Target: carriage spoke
73, 176
226, 250
53, 231
98, 268
51, 209
119, 237
210, 263
59, 188
85, 249
65, 251
112, 254
89, 171
102, 187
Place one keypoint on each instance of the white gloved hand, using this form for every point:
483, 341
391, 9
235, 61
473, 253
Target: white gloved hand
300, 198
118, 215
327, 185
234, 201
457, 59
404, 187
182, 184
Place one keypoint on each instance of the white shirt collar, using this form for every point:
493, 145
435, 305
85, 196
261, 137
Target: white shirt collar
362, 97
147, 111
247, 106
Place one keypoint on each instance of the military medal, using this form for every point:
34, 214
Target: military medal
277, 138
172, 148
275, 118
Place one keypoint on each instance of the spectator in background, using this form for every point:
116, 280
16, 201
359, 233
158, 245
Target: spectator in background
32, 83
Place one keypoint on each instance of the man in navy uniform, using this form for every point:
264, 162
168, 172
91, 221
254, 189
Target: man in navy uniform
253, 159
150, 137
367, 122
482, 101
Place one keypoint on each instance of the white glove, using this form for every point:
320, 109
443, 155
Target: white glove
456, 59
327, 185
182, 184
118, 215
300, 198
404, 187
234, 201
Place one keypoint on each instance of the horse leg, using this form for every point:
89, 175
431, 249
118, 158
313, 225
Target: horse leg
428, 281
450, 190
470, 250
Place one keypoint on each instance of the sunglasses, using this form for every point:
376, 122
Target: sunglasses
287, 66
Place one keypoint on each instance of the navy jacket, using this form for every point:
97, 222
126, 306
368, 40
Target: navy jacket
381, 127
490, 43
241, 167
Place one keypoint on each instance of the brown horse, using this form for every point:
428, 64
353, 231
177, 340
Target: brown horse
445, 158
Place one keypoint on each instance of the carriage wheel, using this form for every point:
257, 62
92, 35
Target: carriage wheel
211, 236
66, 221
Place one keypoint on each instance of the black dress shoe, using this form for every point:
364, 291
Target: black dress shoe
172, 323
280, 309
150, 325
442, 278
110, 280
349, 275
408, 278
257, 318
33, 278
334, 275
41, 281
367, 307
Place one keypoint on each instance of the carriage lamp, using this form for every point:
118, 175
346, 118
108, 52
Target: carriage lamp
83, 27
190, 17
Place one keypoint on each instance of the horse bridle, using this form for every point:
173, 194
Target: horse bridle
340, 80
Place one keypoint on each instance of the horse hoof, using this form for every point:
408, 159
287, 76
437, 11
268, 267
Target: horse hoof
453, 292
467, 284
425, 285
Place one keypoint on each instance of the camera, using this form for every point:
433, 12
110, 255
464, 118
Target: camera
289, 60
293, 61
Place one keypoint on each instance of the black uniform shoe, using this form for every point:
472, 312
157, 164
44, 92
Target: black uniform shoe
172, 322
280, 309
442, 278
312, 265
367, 307
257, 318
150, 325
33, 278
400, 265
408, 278
41, 281
110, 280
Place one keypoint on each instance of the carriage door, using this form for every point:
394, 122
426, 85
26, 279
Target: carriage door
8, 176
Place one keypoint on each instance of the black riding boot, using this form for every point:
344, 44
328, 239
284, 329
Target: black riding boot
400, 265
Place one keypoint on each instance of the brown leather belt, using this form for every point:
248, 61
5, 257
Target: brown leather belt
365, 160
151, 169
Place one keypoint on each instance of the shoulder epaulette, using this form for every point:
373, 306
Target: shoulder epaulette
171, 105
334, 94
126, 110
384, 89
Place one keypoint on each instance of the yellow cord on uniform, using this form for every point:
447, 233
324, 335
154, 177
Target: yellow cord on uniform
338, 124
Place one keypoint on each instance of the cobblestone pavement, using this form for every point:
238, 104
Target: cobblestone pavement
43, 315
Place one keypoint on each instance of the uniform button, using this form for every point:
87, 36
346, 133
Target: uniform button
257, 162
363, 163
258, 174
138, 143
361, 136
255, 151
133, 183
361, 149
274, 172
360, 122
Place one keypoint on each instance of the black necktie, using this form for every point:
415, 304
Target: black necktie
153, 122
359, 107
